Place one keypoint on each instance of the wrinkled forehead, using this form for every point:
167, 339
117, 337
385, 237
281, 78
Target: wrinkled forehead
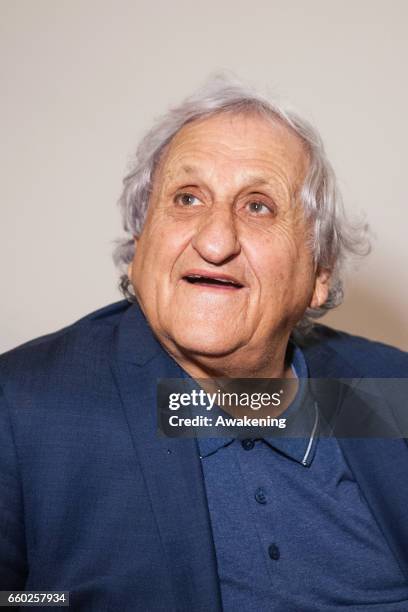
236, 147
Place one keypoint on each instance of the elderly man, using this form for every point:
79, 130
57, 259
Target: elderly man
236, 238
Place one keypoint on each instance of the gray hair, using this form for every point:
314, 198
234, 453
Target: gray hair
335, 238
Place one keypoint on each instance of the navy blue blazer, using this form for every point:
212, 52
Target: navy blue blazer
94, 502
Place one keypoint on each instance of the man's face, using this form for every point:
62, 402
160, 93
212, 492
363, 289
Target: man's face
223, 264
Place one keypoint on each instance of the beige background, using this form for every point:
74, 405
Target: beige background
82, 79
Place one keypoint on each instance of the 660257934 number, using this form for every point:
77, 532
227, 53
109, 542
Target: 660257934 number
34, 598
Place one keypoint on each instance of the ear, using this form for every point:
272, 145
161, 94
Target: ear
130, 266
321, 288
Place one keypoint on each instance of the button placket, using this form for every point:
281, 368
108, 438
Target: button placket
263, 518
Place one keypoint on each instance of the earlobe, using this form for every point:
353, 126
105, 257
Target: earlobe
321, 288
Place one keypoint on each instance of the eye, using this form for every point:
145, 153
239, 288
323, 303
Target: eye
259, 208
187, 199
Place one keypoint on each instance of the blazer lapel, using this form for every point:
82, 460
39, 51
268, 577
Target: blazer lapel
379, 457
380, 468
171, 467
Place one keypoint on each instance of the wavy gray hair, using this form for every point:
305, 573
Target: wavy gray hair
335, 237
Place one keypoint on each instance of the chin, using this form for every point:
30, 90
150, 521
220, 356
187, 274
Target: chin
205, 343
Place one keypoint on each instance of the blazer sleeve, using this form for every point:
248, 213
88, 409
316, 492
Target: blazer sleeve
13, 563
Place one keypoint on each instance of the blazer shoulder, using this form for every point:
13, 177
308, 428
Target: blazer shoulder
350, 355
68, 348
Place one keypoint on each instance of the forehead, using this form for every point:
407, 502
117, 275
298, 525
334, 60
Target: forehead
241, 143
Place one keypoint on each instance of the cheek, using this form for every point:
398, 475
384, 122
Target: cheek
283, 267
158, 251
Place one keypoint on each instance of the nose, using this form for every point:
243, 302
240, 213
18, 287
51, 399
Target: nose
216, 239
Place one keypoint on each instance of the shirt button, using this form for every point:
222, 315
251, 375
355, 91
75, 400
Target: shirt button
248, 444
260, 496
274, 552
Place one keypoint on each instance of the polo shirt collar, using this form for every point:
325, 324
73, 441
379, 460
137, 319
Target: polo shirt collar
298, 440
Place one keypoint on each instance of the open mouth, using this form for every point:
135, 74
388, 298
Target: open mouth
198, 279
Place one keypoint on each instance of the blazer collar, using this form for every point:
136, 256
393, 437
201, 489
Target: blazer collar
135, 341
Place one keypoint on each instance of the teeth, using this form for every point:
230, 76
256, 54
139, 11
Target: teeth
196, 278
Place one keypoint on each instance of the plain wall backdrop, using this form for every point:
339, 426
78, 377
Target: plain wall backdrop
83, 79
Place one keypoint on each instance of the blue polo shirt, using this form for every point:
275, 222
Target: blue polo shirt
291, 529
